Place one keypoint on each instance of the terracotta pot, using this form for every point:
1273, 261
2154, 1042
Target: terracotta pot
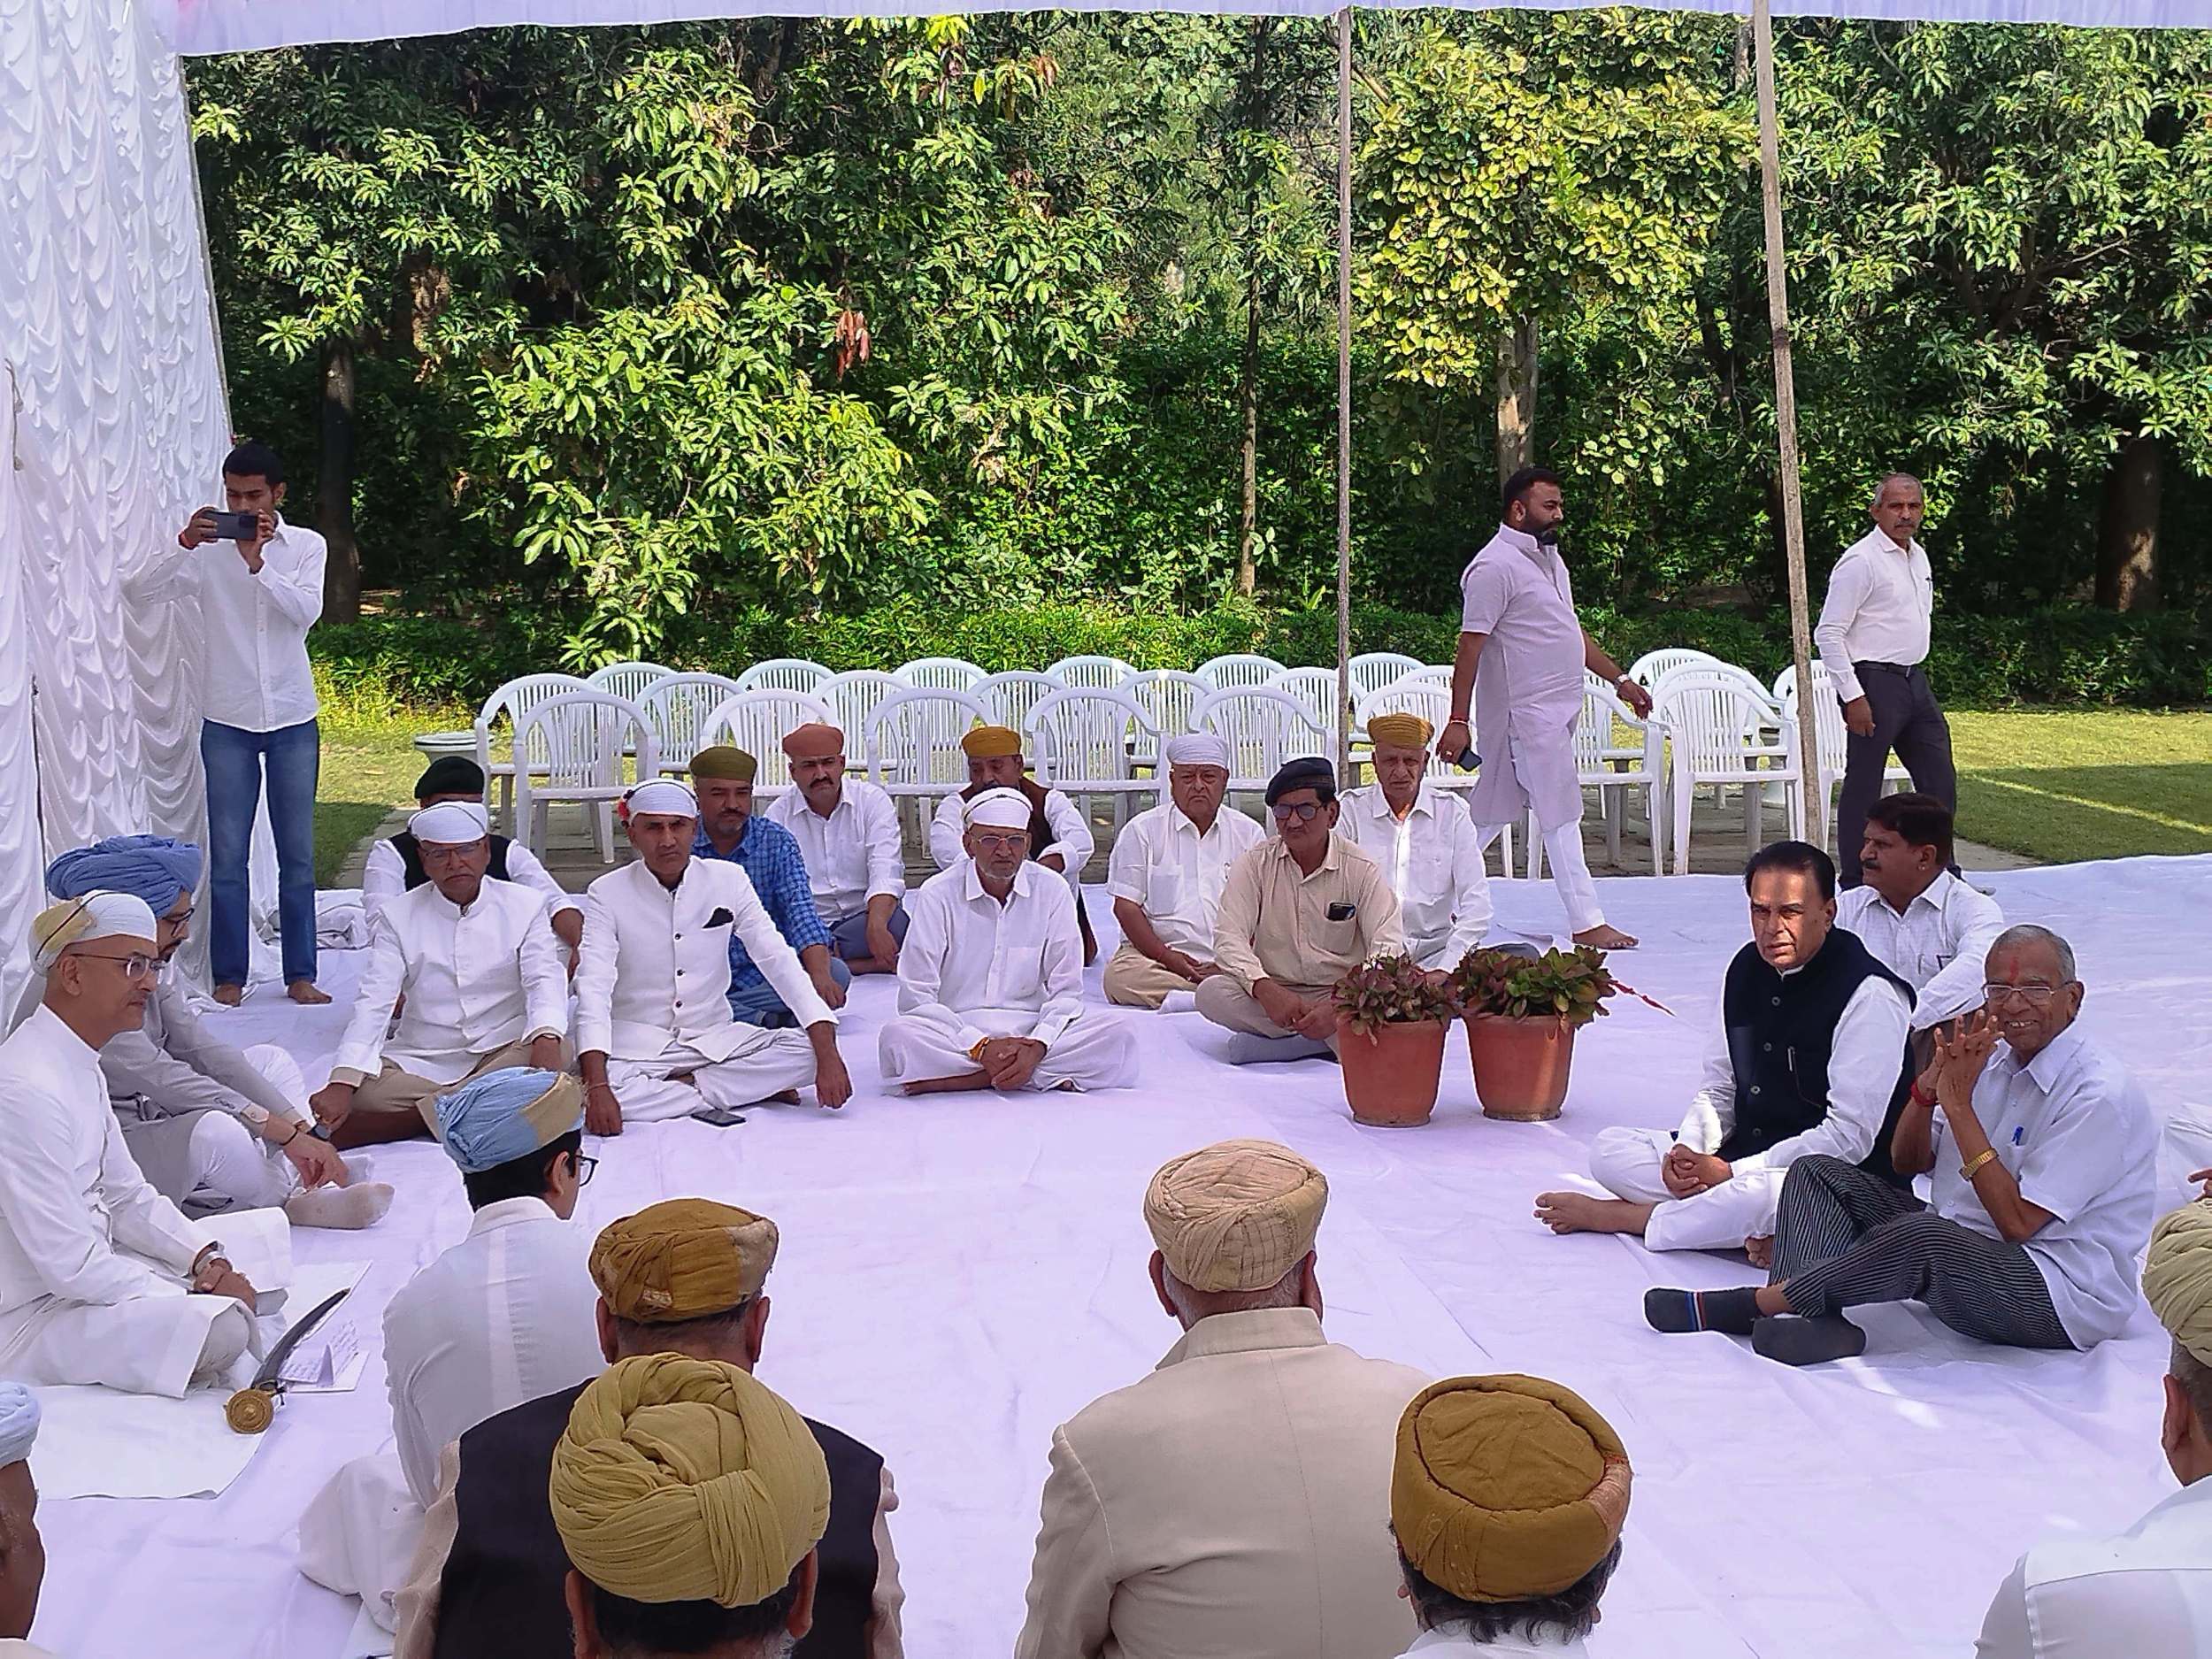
1390, 1073
1521, 1065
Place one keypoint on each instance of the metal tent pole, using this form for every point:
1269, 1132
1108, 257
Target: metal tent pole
1344, 396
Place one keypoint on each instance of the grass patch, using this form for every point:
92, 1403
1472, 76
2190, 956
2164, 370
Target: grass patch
2063, 786
370, 765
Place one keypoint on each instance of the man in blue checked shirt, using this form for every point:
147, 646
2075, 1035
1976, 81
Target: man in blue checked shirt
769, 855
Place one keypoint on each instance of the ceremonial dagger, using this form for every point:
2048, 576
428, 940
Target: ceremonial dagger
253, 1409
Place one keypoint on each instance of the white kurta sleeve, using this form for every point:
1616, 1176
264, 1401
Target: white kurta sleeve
2006, 1633
1957, 984
931, 935
1865, 1063
40, 1204
1061, 967
190, 1069
770, 951
1470, 886
1847, 586
361, 1051
1485, 591
544, 983
1128, 867
293, 578
945, 827
1711, 1118
1072, 837
595, 966
887, 854
139, 1219
1072, 1580
384, 876
524, 869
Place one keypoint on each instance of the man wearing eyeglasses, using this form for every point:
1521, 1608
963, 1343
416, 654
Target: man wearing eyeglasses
2042, 1154
1296, 914
503, 1316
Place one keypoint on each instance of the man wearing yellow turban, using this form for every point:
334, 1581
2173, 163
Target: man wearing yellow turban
1231, 1502
1427, 846
2146, 1593
1058, 838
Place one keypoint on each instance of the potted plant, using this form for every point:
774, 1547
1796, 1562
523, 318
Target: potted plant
1522, 1014
1392, 1016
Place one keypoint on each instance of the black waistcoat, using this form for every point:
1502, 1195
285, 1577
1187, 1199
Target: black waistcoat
502, 1590
411, 857
1780, 1030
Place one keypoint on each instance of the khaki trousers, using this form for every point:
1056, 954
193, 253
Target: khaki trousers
393, 1090
1226, 1002
1134, 980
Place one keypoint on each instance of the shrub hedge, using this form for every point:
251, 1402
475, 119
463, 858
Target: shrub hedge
2068, 656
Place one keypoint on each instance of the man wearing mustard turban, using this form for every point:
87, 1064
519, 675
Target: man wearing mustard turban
395, 865
2146, 1593
1507, 1500
684, 1279
1223, 1503
1058, 838
1427, 846
847, 829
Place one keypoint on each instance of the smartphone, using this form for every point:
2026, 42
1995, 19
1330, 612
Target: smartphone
236, 527
720, 1116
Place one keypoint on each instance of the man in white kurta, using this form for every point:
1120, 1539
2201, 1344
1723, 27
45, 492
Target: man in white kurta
1923, 924
101, 1279
482, 980
503, 1316
1168, 866
991, 976
1058, 837
655, 1037
1429, 849
847, 831
394, 863
1522, 653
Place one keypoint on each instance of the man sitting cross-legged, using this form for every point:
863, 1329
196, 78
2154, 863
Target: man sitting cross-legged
991, 975
847, 830
2044, 1175
1806, 1057
482, 981
395, 865
1922, 923
1429, 849
1296, 913
1168, 866
1058, 838
654, 1032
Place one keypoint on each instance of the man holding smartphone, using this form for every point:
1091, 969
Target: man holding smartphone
261, 588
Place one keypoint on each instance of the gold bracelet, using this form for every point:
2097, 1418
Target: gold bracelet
1975, 1162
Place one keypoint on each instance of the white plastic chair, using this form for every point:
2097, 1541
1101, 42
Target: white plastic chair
582, 736
940, 674
785, 674
1262, 729
515, 699
1714, 732
1314, 688
853, 696
1647, 668
1167, 696
757, 722
1371, 671
1010, 696
1239, 671
1092, 674
912, 741
1087, 742
626, 679
676, 709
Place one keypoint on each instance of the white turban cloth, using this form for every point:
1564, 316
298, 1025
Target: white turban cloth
1198, 748
1001, 808
19, 1423
78, 921
664, 797
452, 822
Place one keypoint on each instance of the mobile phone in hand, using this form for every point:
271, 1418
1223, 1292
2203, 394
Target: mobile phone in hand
236, 527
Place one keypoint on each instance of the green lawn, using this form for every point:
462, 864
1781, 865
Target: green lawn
2063, 786
370, 765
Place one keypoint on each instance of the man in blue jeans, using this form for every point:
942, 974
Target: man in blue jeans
258, 597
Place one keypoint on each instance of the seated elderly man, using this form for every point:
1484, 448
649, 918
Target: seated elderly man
1922, 923
1231, 1502
2043, 1177
692, 1503
101, 1279
1428, 848
395, 865
847, 830
722, 777
1168, 866
654, 1033
1506, 1501
1058, 837
991, 975
213, 1126
1806, 1057
2147, 1591
683, 1277
22, 1551
1296, 913
482, 982
503, 1316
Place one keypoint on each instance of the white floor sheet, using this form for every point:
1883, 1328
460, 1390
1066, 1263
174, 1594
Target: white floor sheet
959, 1275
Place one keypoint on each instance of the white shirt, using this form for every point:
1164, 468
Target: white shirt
1072, 837
475, 980
1163, 864
852, 856
1453, 1639
2077, 1134
655, 967
2144, 1594
968, 957
1865, 1059
1528, 685
503, 1316
1940, 946
254, 629
384, 878
1433, 859
1880, 599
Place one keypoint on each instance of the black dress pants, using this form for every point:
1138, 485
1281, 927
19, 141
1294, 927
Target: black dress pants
1907, 719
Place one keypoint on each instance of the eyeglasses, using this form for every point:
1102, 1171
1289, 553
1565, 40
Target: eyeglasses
180, 918
2034, 995
137, 966
584, 1168
1003, 843
1305, 812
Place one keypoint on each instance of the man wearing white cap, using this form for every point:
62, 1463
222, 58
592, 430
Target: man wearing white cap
654, 1035
991, 975
482, 979
101, 1279
395, 865
22, 1551
1166, 873
1429, 849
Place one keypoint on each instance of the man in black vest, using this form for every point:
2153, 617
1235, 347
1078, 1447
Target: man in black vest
394, 866
1808, 1054
685, 1275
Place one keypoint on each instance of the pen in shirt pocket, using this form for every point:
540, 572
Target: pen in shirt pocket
2019, 1133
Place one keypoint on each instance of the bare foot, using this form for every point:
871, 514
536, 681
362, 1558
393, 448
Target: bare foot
786, 1096
1760, 1250
230, 995
1578, 1212
306, 991
1605, 938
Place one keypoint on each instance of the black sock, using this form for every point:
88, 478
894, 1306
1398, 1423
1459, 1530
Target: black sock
1732, 1312
1812, 1341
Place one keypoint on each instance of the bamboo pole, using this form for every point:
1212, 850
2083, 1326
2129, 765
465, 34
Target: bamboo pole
1344, 396
1814, 796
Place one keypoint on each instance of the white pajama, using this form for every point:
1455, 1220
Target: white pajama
209, 1162
1569, 872
1626, 1163
1093, 1050
766, 1063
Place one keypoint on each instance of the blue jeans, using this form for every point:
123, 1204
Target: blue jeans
758, 1003
848, 934
233, 760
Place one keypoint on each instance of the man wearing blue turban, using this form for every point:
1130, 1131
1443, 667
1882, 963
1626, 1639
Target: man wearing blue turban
213, 1127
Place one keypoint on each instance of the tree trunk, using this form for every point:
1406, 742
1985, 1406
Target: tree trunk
2127, 529
333, 512
1517, 398
1248, 402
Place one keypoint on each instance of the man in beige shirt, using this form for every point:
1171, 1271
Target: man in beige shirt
1296, 913
1236, 1500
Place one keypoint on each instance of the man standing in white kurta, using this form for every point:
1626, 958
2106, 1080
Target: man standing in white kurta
1169, 867
991, 975
655, 1037
1429, 849
1522, 648
101, 1279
